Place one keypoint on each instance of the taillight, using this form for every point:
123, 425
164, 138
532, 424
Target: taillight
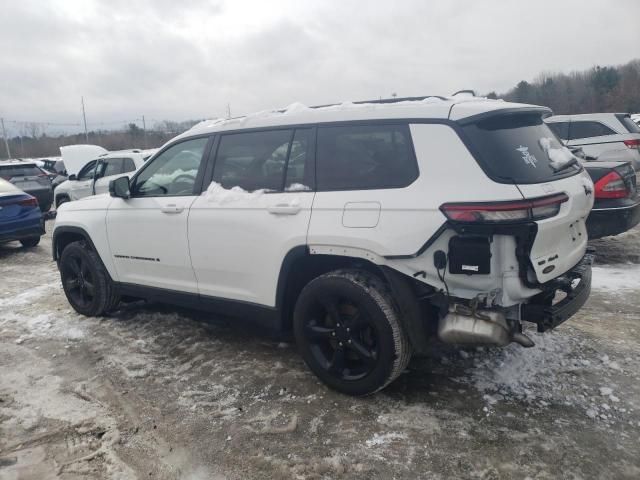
28, 202
504, 212
611, 186
633, 143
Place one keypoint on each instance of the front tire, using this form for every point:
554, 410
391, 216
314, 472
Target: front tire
349, 332
85, 281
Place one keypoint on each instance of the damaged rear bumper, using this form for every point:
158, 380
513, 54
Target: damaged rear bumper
542, 311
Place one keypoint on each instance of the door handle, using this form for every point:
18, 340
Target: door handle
171, 209
284, 209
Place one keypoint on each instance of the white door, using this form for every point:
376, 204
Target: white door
240, 234
82, 186
148, 232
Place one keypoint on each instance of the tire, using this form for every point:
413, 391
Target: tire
349, 333
85, 281
61, 200
30, 242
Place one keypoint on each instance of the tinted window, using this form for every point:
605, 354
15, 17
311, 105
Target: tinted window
113, 166
173, 172
16, 170
513, 148
252, 161
579, 129
561, 129
88, 170
364, 157
129, 166
629, 124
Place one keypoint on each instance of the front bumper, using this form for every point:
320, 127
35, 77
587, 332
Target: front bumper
542, 311
605, 222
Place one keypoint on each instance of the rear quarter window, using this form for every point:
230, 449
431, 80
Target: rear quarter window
629, 124
361, 157
518, 149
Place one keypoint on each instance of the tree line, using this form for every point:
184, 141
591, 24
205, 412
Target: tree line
598, 89
34, 142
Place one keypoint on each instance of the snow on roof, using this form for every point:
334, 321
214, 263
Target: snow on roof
298, 113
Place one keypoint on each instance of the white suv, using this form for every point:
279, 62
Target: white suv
94, 177
605, 136
367, 229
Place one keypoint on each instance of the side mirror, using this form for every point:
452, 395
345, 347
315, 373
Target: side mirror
73, 176
119, 187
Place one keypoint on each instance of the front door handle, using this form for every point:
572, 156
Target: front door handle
284, 209
171, 209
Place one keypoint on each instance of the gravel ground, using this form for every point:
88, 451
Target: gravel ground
154, 392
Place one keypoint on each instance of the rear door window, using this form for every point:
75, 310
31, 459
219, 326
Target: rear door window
113, 167
129, 166
518, 149
362, 157
584, 129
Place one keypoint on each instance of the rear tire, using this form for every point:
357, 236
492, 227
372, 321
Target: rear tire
86, 282
349, 332
30, 242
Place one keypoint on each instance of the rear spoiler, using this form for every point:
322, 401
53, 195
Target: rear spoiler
543, 111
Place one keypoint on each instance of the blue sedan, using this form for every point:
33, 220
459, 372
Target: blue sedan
20, 216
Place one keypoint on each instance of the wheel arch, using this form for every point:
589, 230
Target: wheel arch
300, 266
63, 236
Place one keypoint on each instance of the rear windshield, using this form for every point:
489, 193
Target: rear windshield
11, 171
519, 149
629, 124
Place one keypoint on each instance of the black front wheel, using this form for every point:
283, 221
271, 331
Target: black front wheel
30, 242
349, 332
85, 281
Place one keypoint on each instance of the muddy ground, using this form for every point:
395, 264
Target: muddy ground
154, 392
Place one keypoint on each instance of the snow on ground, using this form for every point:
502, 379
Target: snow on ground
616, 279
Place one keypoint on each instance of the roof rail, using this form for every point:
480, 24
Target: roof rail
472, 92
385, 100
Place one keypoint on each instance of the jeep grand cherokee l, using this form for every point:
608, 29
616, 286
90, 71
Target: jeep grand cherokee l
365, 228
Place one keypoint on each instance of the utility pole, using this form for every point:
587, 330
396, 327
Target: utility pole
228, 110
84, 117
4, 135
144, 131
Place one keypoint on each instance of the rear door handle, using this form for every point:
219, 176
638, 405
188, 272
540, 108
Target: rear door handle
171, 209
284, 209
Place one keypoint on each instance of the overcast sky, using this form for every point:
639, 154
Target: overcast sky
170, 59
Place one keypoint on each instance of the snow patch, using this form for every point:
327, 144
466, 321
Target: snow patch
216, 193
617, 280
558, 155
297, 187
379, 439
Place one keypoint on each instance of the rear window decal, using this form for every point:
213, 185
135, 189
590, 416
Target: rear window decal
527, 157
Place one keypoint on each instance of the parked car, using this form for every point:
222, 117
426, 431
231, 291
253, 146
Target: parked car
95, 176
20, 216
28, 177
605, 136
617, 204
363, 228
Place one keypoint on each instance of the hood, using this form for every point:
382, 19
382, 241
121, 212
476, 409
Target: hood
77, 156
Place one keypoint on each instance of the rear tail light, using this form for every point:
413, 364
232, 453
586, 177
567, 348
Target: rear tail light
611, 186
28, 202
633, 144
505, 212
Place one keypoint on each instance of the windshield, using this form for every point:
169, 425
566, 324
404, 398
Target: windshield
520, 149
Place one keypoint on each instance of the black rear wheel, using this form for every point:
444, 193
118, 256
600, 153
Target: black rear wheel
349, 332
85, 281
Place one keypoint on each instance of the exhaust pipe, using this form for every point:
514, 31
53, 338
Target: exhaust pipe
462, 326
